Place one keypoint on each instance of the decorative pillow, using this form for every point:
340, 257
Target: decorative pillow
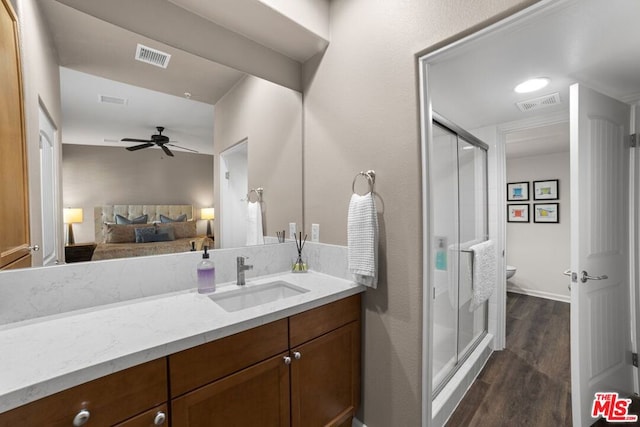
142, 219
120, 233
166, 219
142, 232
182, 230
160, 237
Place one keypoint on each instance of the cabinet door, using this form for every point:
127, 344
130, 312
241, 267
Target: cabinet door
325, 378
14, 206
256, 396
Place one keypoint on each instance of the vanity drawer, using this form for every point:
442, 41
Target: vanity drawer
209, 362
109, 399
318, 321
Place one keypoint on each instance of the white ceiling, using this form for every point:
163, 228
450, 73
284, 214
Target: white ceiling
98, 59
261, 23
577, 41
87, 121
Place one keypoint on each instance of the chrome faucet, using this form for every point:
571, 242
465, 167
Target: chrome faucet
241, 267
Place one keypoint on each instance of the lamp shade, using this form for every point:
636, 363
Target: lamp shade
207, 213
72, 215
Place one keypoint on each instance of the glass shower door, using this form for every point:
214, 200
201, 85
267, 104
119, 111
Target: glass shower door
445, 261
459, 197
472, 199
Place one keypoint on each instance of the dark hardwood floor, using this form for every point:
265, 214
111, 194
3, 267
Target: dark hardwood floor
528, 383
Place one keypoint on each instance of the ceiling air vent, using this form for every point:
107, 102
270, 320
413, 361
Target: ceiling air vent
540, 102
152, 56
105, 99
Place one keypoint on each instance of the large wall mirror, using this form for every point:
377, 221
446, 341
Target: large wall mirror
206, 109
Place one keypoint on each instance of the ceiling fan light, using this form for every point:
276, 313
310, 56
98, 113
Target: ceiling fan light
532, 85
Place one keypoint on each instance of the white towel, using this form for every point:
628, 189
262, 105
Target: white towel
362, 239
484, 272
255, 236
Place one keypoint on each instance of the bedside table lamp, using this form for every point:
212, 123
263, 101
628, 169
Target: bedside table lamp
208, 214
72, 216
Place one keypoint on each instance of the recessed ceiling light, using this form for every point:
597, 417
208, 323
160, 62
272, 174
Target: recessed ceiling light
532, 85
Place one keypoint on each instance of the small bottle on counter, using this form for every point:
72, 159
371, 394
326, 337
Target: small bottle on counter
206, 274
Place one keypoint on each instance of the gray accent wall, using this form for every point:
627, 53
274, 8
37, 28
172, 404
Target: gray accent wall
94, 176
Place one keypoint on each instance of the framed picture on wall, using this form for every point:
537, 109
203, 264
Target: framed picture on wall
518, 191
518, 213
546, 190
546, 212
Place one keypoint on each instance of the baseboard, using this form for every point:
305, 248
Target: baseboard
357, 423
539, 294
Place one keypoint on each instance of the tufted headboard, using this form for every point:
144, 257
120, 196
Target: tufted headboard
107, 213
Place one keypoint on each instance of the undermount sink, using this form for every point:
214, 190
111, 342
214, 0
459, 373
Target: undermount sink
252, 296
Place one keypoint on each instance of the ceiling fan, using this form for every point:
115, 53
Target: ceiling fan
159, 139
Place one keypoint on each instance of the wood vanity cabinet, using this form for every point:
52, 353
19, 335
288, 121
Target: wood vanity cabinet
300, 371
110, 400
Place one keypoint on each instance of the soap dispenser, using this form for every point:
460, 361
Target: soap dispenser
206, 274
441, 254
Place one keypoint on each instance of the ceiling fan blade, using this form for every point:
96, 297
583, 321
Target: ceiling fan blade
140, 147
135, 140
183, 148
166, 150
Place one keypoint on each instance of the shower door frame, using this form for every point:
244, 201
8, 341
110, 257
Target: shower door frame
467, 137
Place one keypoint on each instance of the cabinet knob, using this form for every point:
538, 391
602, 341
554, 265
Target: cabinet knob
297, 355
81, 418
287, 360
160, 418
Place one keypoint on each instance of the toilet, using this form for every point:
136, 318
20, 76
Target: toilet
511, 270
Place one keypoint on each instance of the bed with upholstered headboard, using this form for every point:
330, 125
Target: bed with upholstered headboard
124, 231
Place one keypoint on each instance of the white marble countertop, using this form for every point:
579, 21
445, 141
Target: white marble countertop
43, 356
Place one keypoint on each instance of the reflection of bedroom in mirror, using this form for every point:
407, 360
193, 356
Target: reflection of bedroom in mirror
145, 139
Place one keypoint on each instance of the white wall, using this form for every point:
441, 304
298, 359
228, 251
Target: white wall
41, 82
269, 117
95, 176
540, 252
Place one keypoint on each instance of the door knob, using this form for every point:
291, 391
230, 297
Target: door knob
34, 248
584, 276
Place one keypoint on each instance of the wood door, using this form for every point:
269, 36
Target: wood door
600, 290
14, 203
256, 396
325, 379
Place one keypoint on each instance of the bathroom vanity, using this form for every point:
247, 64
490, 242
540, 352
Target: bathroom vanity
182, 360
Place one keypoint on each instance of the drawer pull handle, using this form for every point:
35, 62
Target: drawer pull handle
81, 418
160, 418
297, 355
287, 360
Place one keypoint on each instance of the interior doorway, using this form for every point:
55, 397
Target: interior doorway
48, 190
234, 179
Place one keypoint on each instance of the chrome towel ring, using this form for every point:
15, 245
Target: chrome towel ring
258, 191
371, 179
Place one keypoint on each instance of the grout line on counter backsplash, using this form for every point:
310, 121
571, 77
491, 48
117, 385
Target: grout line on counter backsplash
39, 292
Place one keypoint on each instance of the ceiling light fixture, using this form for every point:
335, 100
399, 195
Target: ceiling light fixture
532, 85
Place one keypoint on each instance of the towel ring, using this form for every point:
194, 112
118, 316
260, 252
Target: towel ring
371, 178
258, 192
